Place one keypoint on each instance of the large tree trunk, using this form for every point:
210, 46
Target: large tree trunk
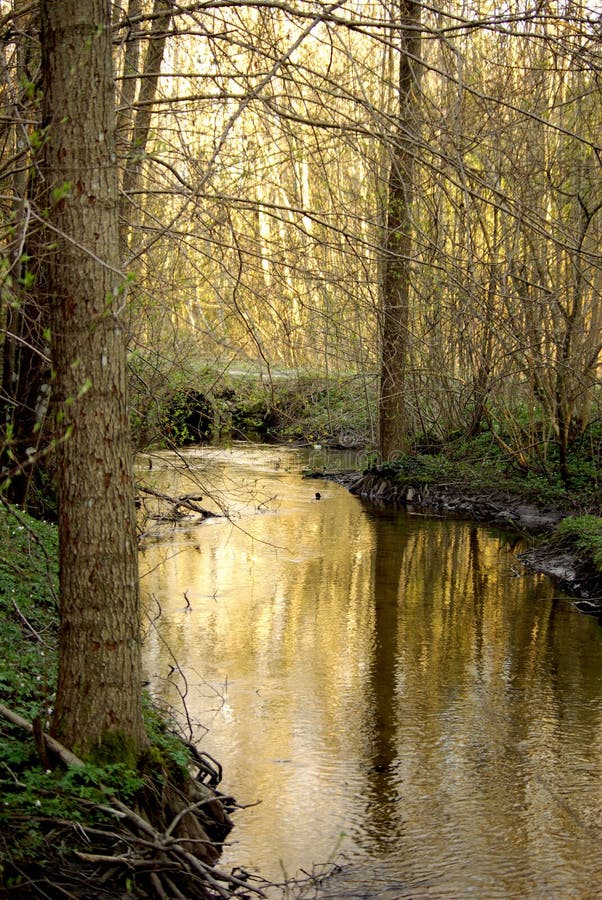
395, 302
98, 704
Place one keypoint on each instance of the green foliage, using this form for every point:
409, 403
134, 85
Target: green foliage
166, 752
518, 444
480, 464
209, 404
584, 534
512, 447
74, 793
97, 783
418, 469
28, 612
316, 408
37, 138
28, 659
38, 801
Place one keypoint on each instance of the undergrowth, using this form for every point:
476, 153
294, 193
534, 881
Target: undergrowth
479, 467
49, 813
478, 464
514, 451
584, 534
28, 612
288, 407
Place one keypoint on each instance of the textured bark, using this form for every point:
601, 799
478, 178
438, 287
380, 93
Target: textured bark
99, 692
395, 307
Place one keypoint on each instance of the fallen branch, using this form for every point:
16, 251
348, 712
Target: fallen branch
158, 852
188, 501
128, 860
66, 756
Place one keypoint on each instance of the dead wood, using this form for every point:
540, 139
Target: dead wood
187, 501
169, 843
64, 755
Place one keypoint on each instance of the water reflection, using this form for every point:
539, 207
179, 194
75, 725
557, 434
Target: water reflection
386, 685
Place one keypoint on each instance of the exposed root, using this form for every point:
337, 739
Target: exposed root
163, 846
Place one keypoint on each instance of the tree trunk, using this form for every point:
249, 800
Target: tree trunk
25, 371
162, 12
98, 705
395, 306
25, 376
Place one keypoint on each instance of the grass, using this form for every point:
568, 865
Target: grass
583, 534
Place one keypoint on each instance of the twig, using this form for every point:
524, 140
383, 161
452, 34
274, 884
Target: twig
28, 624
164, 844
130, 861
202, 868
156, 883
183, 812
206, 764
173, 891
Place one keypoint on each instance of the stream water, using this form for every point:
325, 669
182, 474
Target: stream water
394, 689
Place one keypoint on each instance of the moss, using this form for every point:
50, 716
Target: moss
166, 752
114, 747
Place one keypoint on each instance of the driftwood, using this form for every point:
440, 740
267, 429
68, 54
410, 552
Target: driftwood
179, 506
164, 842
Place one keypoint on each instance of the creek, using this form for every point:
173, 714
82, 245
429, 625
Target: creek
394, 689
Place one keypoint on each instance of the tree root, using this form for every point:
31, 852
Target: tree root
165, 847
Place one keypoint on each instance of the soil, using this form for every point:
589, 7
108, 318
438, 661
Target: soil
573, 574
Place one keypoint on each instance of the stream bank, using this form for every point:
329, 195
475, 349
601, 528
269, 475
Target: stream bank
571, 568
76, 828
413, 701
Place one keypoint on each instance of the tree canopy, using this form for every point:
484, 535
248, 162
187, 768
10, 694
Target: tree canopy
259, 215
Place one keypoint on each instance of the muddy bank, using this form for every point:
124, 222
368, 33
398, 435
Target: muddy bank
569, 570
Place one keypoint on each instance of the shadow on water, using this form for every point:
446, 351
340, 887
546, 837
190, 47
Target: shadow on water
390, 686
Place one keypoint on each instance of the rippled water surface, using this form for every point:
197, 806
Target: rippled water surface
392, 688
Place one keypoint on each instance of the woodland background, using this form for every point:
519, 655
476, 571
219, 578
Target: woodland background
401, 197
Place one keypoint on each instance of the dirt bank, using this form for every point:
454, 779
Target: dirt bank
572, 573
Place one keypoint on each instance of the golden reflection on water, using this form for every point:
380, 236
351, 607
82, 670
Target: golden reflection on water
390, 685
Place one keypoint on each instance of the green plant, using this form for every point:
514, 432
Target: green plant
584, 533
28, 611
